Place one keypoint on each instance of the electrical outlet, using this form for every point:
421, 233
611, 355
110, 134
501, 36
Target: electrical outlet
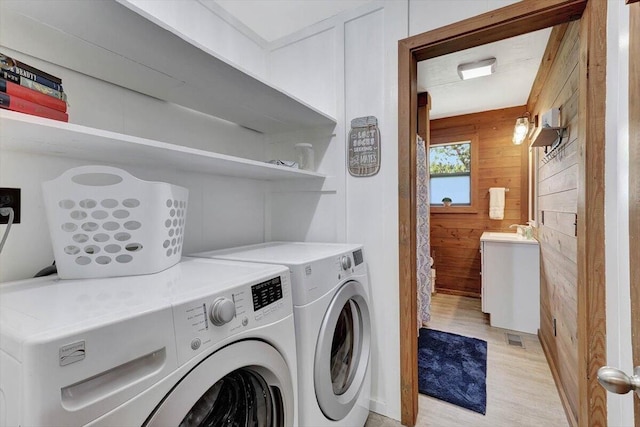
10, 198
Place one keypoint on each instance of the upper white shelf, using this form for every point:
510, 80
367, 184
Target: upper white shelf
106, 40
22, 132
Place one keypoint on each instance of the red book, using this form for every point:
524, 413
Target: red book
32, 95
20, 105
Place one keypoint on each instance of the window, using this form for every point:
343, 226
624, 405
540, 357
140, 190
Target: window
452, 163
450, 173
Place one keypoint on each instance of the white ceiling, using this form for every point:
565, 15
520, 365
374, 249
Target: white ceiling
273, 19
518, 58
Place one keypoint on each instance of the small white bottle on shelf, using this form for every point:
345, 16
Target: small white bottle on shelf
305, 156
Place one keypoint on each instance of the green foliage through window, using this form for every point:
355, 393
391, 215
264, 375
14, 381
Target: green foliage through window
450, 159
450, 170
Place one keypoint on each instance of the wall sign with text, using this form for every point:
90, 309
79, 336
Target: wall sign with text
364, 146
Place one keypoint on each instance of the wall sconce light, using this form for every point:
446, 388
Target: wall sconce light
471, 70
521, 129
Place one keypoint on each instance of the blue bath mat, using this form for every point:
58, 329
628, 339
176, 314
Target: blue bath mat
453, 368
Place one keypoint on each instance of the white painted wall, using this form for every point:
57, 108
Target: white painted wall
347, 66
619, 407
372, 208
364, 77
291, 16
306, 68
300, 211
308, 65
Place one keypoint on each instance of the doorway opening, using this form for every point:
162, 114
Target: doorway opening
475, 280
520, 18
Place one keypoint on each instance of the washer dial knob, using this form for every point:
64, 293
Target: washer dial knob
222, 311
346, 262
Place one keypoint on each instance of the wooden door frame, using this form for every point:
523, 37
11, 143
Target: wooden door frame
519, 18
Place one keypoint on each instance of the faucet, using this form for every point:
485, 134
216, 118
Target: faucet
522, 230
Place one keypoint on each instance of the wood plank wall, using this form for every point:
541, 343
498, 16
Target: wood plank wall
455, 237
556, 214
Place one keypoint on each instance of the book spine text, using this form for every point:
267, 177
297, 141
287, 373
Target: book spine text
20, 105
31, 95
36, 78
15, 78
8, 62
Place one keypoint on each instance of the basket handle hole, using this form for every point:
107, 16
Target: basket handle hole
133, 247
97, 179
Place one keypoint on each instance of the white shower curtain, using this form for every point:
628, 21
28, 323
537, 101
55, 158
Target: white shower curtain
422, 235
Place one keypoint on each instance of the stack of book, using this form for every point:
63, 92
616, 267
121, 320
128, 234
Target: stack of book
26, 89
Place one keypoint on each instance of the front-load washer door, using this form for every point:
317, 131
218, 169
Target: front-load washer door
246, 383
342, 351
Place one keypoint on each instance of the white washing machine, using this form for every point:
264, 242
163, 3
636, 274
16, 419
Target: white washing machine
333, 327
206, 342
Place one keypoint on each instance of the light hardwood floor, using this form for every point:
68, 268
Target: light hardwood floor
520, 389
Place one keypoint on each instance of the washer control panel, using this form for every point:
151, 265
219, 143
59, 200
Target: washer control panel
204, 322
266, 293
222, 311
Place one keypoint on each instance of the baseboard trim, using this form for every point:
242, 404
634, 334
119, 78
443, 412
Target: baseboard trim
378, 407
458, 293
556, 379
382, 409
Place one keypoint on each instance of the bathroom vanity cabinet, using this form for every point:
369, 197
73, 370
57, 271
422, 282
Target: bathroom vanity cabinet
511, 281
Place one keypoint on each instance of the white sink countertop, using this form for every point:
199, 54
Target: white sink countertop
496, 236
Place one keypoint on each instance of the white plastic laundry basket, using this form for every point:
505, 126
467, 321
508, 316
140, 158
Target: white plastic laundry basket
104, 222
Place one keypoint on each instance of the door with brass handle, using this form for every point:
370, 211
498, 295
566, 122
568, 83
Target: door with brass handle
616, 381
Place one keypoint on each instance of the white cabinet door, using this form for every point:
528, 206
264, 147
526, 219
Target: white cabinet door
511, 285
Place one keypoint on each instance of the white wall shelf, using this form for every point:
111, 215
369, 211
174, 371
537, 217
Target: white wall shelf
22, 132
107, 40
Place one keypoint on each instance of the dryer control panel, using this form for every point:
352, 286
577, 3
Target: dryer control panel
318, 277
212, 321
349, 262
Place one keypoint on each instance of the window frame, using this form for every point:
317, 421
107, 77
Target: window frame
448, 138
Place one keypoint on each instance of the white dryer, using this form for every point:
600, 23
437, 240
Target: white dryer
333, 327
205, 341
